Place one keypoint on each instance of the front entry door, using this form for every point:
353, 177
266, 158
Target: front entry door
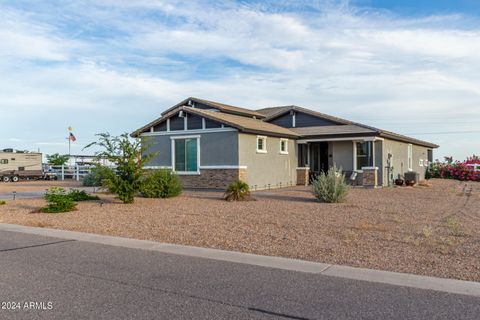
318, 157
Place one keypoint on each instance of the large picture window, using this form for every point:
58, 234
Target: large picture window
185, 155
364, 154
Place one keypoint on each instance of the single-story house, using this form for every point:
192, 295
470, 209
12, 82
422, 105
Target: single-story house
211, 144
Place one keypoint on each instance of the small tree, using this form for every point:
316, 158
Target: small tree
128, 156
57, 159
330, 187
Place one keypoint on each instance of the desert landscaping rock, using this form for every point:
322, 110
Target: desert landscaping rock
423, 230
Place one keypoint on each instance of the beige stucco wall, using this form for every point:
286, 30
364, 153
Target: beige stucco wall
399, 150
271, 168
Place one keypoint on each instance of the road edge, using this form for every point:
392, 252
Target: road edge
387, 277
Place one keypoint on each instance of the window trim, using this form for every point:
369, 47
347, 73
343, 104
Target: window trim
286, 146
172, 150
355, 155
264, 150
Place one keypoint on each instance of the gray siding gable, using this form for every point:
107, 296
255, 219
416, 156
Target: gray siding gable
194, 122
216, 149
301, 120
177, 123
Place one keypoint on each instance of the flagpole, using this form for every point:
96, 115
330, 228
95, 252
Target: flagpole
69, 144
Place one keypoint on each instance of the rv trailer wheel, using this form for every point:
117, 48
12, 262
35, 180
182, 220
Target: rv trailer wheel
6, 179
15, 179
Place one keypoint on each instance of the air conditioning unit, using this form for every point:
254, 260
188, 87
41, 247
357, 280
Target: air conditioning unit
412, 176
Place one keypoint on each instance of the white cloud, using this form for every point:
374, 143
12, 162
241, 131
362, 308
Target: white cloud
127, 61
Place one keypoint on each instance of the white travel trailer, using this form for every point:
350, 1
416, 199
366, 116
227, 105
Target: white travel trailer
16, 165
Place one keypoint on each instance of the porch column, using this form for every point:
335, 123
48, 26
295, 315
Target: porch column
370, 177
303, 176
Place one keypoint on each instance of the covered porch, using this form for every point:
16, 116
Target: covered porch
360, 158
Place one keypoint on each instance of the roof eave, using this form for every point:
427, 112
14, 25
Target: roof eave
409, 140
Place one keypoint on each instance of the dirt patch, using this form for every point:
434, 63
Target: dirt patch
424, 230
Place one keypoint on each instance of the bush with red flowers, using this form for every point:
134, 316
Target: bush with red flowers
449, 169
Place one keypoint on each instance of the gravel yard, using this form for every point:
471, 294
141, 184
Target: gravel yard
424, 230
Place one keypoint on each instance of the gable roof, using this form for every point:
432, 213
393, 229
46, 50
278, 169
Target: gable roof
247, 120
244, 124
220, 106
343, 128
275, 112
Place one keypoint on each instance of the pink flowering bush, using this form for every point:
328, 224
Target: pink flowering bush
464, 171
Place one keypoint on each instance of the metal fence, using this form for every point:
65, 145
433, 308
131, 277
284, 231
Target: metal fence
76, 172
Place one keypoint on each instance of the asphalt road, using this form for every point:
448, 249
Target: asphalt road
80, 280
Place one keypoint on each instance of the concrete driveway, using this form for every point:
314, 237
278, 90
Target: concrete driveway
68, 279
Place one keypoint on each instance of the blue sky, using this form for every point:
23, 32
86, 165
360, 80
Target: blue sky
407, 66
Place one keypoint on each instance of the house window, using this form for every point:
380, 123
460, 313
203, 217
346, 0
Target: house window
410, 157
4, 161
364, 154
302, 155
261, 144
284, 146
185, 154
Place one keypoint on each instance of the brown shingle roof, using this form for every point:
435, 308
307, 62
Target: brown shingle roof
272, 113
242, 119
220, 106
269, 112
331, 130
244, 124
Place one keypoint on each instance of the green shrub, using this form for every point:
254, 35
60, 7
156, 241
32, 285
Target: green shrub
330, 187
81, 195
58, 200
160, 184
2, 202
237, 191
97, 176
129, 156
